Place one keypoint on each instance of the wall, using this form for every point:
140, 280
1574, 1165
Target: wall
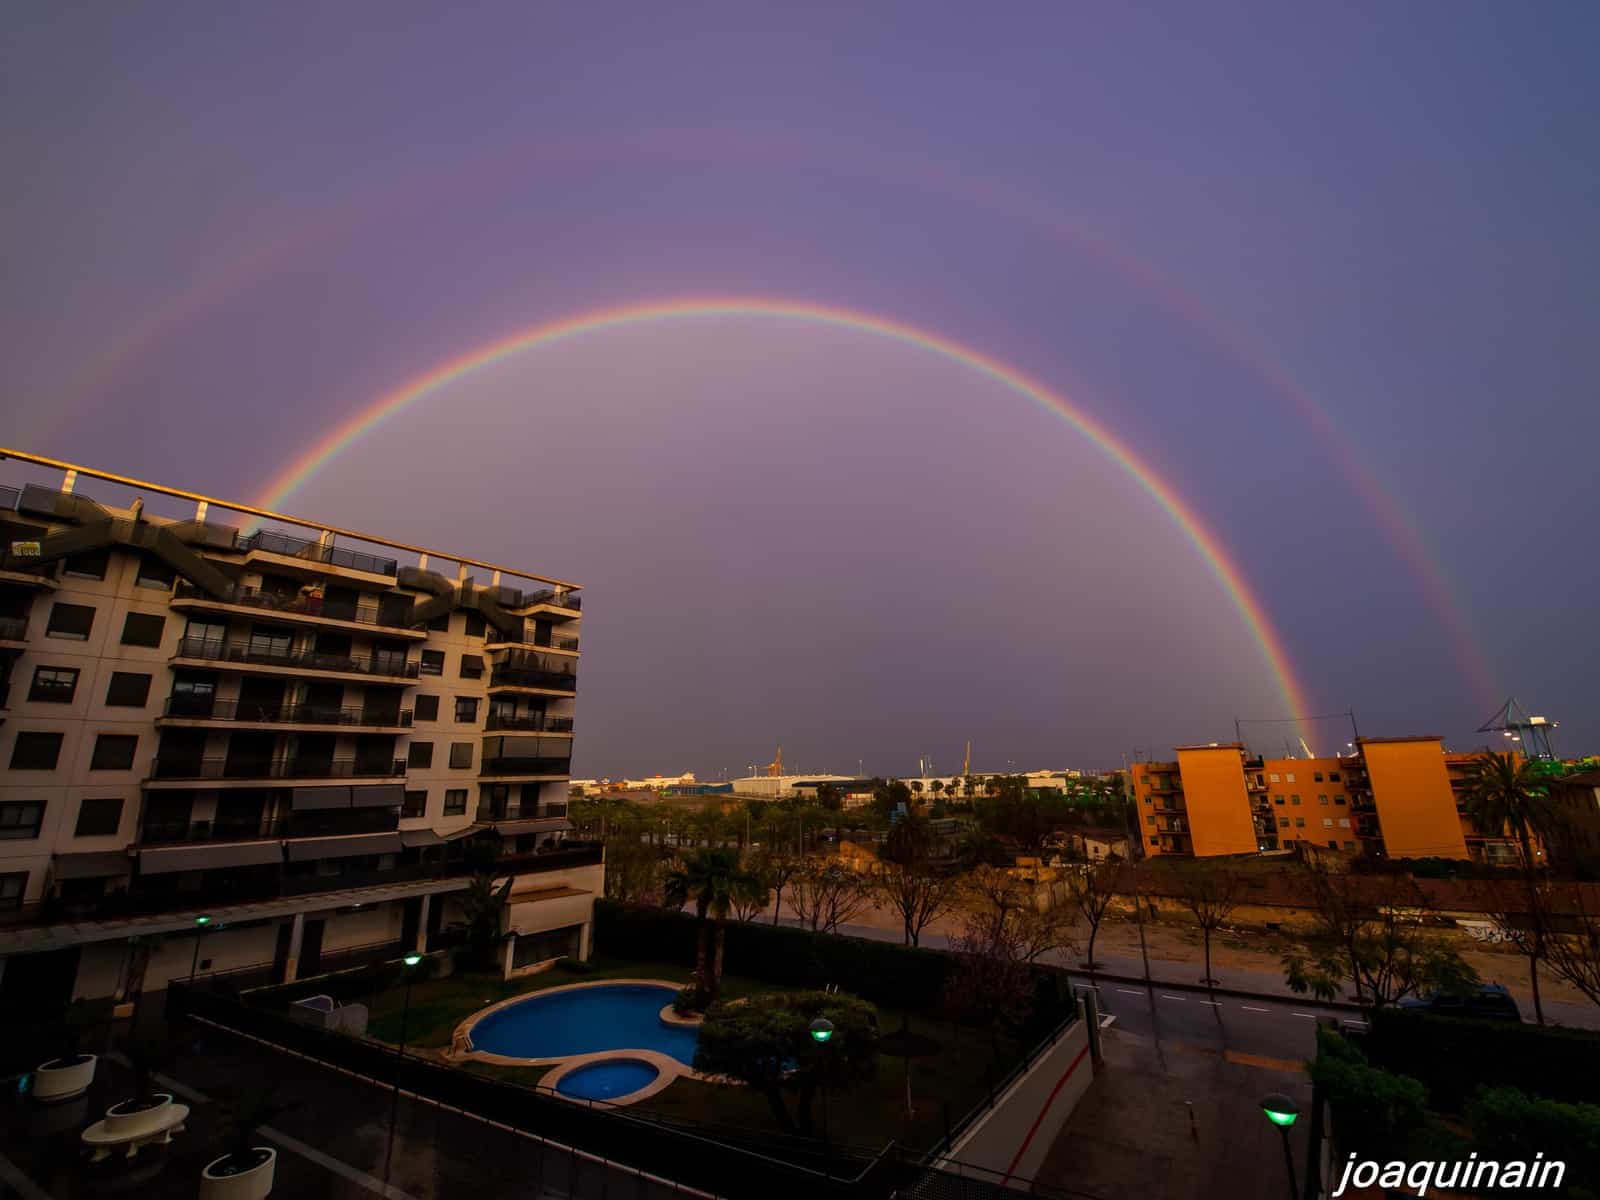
1310, 794
1014, 1136
1416, 808
1214, 793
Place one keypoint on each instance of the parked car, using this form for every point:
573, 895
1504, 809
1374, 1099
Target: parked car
1490, 1000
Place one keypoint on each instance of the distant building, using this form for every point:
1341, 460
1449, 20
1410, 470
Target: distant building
1577, 800
660, 783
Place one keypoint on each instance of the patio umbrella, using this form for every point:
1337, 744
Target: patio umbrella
904, 1044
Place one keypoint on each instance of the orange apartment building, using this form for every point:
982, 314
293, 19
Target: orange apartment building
1393, 797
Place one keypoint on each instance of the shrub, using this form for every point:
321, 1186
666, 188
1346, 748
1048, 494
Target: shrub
1507, 1124
1454, 1056
691, 998
1376, 1111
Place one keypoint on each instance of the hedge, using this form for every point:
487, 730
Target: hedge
1454, 1056
882, 972
1508, 1125
1376, 1111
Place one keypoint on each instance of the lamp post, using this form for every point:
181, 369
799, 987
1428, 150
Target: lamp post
1282, 1111
200, 924
822, 1034
410, 961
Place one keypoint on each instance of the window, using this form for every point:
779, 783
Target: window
1338, 799
128, 689
21, 819
1333, 844
1327, 822
1316, 776
1344, 822
419, 754
91, 564
460, 754
415, 804
472, 666
99, 818
455, 802
11, 888
1299, 822
269, 641
427, 708
1273, 777
440, 624
1278, 800
143, 629
153, 573
54, 685
1294, 799
36, 752
1289, 778
1349, 845
466, 710
1150, 819
70, 621
114, 752
1322, 800
432, 662
1283, 822
475, 624
1333, 777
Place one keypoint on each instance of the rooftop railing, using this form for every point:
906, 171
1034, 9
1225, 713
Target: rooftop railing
275, 541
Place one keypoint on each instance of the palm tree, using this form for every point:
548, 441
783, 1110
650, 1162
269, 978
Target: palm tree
714, 880
1504, 792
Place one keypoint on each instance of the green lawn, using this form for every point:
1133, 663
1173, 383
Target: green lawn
869, 1117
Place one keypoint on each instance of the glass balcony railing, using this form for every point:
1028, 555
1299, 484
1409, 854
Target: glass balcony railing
297, 605
535, 724
252, 712
519, 812
526, 766
253, 768
554, 681
217, 650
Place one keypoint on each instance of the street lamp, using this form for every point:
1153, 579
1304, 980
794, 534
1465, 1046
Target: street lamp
409, 961
822, 1034
200, 924
1282, 1111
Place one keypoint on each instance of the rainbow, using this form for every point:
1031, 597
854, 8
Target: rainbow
1209, 547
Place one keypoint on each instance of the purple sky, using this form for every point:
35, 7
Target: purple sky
226, 228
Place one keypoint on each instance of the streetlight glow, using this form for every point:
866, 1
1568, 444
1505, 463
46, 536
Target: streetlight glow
1280, 1110
202, 919
411, 960
821, 1029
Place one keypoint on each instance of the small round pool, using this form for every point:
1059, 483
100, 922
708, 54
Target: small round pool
566, 1022
608, 1079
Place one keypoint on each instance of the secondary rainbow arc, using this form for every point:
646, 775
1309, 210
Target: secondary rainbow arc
1206, 543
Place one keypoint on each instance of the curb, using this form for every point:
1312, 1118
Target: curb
1236, 993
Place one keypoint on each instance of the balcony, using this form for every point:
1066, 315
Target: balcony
488, 813
391, 666
322, 768
527, 724
275, 541
499, 637
181, 708
13, 629
550, 598
314, 611
500, 767
154, 832
527, 677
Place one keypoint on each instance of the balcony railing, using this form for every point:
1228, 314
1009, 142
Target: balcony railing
526, 766
519, 812
527, 724
502, 638
555, 681
216, 650
236, 768
281, 714
333, 610
274, 541
210, 831
551, 597
14, 629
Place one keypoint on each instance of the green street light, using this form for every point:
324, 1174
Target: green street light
1280, 1109
202, 919
412, 960
821, 1029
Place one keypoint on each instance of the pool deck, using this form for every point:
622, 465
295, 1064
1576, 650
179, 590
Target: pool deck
667, 1067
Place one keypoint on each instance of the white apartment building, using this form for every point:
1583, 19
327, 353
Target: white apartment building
309, 738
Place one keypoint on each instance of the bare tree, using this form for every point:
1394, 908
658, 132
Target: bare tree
919, 892
1572, 949
1211, 894
778, 870
1038, 932
1092, 889
994, 896
1521, 913
991, 986
824, 896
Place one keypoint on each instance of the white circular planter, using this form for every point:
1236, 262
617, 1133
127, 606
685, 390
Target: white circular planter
63, 1078
254, 1183
125, 1122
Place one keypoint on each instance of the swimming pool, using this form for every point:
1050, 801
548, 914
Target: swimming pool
585, 1020
607, 1079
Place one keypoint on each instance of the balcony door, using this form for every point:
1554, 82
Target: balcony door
375, 754
381, 706
261, 698
320, 703
249, 755
313, 754
193, 694
180, 753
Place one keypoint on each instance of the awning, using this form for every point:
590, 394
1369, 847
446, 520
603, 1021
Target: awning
204, 856
537, 825
344, 847
306, 799
102, 864
378, 795
413, 838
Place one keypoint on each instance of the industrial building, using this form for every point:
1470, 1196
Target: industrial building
1393, 797
225, 745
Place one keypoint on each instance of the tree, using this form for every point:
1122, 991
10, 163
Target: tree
483, 905
1572, 948
751, 900
910, 883
1503, 793
1371, 930
937, 788
1211, 894
910, 839
1092, 889
824, 895
830, 797
765, 1042
633, 871
712, 879
887, 795
779, 870
991, 985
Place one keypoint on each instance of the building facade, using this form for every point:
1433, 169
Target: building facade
1392, 797
308, 737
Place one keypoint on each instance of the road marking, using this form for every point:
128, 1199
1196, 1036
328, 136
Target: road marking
1247, 1008
1213, 1003
1130, 992
1363, 1024
1262, 1060
1165, 996
1307, 1016
1107, 1021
